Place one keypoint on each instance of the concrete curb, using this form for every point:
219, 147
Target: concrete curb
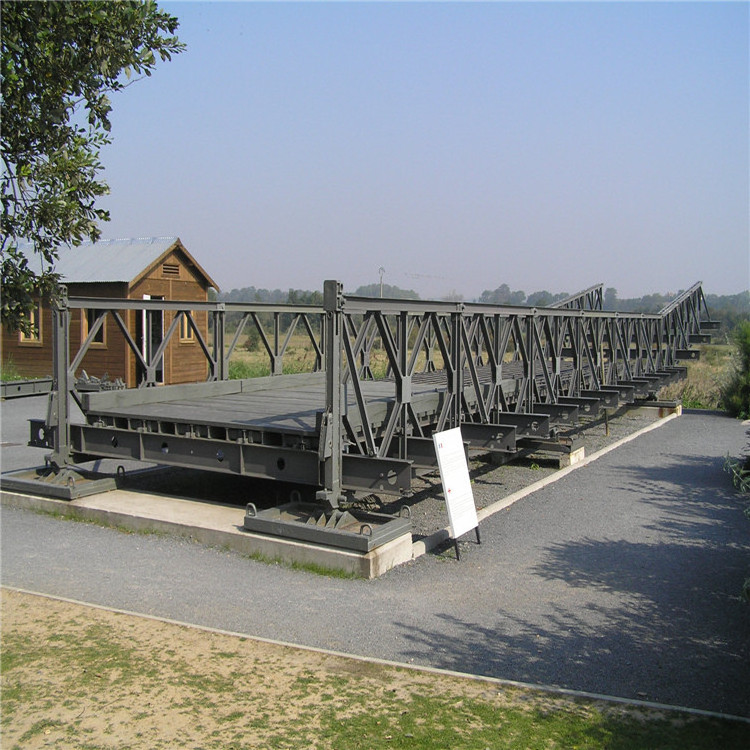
155, 514
552, 689
441, 536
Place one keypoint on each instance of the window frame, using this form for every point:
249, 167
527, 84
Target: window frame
36, 322
187, 334
88, 318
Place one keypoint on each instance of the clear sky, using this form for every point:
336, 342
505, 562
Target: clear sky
459, 146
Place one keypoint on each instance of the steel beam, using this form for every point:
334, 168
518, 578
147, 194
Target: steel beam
587, 407
533, 425
609, 397
497, 438
563, 413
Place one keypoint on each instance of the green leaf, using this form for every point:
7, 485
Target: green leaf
57, 57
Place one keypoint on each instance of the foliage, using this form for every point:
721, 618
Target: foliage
544, 298
730, 309
610, 298
706, 377
389, 292
273, 296
502, 296
9, 371
252, 340
736, 394
241, 370
740, 473
60, 61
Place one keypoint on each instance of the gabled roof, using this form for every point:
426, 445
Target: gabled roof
124, 260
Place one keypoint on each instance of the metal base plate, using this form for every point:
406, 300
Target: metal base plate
68, 484
353, 530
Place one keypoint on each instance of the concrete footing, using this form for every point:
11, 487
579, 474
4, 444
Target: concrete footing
215, 525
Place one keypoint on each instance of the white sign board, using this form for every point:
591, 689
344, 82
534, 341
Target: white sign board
454, 473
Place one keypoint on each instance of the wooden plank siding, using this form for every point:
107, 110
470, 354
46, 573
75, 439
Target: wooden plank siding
173, 277
30, 359
109, 357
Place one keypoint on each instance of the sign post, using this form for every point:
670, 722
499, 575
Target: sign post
454, 474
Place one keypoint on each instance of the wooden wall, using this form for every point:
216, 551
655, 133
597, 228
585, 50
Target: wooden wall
173, 278
31, 359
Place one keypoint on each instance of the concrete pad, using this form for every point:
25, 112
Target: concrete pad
213, 524
662, 408
572, 458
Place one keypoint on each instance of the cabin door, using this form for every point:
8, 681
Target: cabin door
149, 335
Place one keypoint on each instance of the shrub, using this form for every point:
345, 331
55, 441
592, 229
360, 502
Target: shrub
736, 394
252, 342
10, 371
239, 370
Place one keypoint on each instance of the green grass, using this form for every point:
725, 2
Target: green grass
58, 677
9, 372
307, 567
706, 377
242, 370
479, 724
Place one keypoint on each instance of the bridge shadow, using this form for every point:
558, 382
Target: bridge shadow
691, 497
686, 647
654, 615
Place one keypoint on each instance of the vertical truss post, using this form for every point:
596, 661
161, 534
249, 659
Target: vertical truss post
58, 409
580, 344
277, 367
429, 343
331, 437
456, 353
219, 325
403, 380
529, 364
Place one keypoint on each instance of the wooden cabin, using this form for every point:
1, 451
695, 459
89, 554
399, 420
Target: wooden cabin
144, 268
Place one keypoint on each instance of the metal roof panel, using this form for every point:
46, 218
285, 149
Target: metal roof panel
105, 260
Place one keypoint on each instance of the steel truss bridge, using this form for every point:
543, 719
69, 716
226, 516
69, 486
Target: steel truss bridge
384, 375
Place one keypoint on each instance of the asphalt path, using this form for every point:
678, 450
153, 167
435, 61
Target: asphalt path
623, 578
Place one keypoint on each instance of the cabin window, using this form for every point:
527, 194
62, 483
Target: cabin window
171, 270
186, 330
88, 320
35, 317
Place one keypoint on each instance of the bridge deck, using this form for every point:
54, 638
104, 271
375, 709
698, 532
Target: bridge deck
294, 409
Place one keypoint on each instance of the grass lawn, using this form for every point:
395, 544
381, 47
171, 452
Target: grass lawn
80, 677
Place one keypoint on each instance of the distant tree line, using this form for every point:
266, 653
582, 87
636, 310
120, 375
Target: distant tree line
504, 295
730, 309
389, 292
272, 296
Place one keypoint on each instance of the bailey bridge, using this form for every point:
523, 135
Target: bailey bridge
383, 376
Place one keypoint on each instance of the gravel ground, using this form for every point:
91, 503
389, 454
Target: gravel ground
492, 482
